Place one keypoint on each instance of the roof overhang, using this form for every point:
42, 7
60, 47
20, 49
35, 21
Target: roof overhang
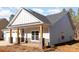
24, 25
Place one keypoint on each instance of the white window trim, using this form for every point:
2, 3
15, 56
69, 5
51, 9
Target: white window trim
34, 40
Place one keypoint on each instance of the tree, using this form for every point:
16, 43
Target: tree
11, 17
78, 12
64, 10
72, 13
77, 16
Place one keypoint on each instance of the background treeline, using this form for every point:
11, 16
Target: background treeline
74, 15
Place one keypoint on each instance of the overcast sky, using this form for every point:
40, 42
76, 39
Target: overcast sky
5, 12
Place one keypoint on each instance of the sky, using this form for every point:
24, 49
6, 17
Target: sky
5, 12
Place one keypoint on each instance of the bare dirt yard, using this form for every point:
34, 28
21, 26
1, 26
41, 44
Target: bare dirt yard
72, 46
18, 48
21, 48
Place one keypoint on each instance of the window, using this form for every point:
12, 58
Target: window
32, 35
62, 35
35, 35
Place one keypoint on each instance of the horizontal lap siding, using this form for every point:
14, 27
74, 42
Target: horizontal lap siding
62, 25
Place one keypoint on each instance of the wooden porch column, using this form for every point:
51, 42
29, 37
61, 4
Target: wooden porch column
11, 38
41, 36
10, 33
18, 38
22, 35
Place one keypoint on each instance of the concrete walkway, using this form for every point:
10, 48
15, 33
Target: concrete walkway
4, 43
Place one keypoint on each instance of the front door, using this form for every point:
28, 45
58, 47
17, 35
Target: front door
35, 35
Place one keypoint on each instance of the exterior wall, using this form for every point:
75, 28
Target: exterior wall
61, 26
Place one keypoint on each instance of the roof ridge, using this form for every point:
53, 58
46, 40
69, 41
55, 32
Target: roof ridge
58, 13
56, 17
33, 11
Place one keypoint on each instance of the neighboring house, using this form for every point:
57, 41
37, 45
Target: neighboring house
3, 24
31, 27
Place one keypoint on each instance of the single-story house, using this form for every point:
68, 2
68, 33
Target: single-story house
3, 24
28, 26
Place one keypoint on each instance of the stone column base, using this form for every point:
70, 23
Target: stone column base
18, 40
43, 43
26, 41
22, 39
11, 39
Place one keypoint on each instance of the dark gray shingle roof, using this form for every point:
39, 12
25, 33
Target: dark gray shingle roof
55, 17
49, 19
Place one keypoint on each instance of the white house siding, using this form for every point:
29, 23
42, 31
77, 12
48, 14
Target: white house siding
24, 18
62, 25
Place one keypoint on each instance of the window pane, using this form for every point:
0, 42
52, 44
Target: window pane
62, 35
32, 32
37, 37
32, 37
37, 32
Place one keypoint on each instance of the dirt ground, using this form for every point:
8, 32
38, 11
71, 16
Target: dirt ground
21, 48
72, 46
18, 48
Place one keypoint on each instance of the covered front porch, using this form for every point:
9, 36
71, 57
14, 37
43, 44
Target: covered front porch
34, 35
